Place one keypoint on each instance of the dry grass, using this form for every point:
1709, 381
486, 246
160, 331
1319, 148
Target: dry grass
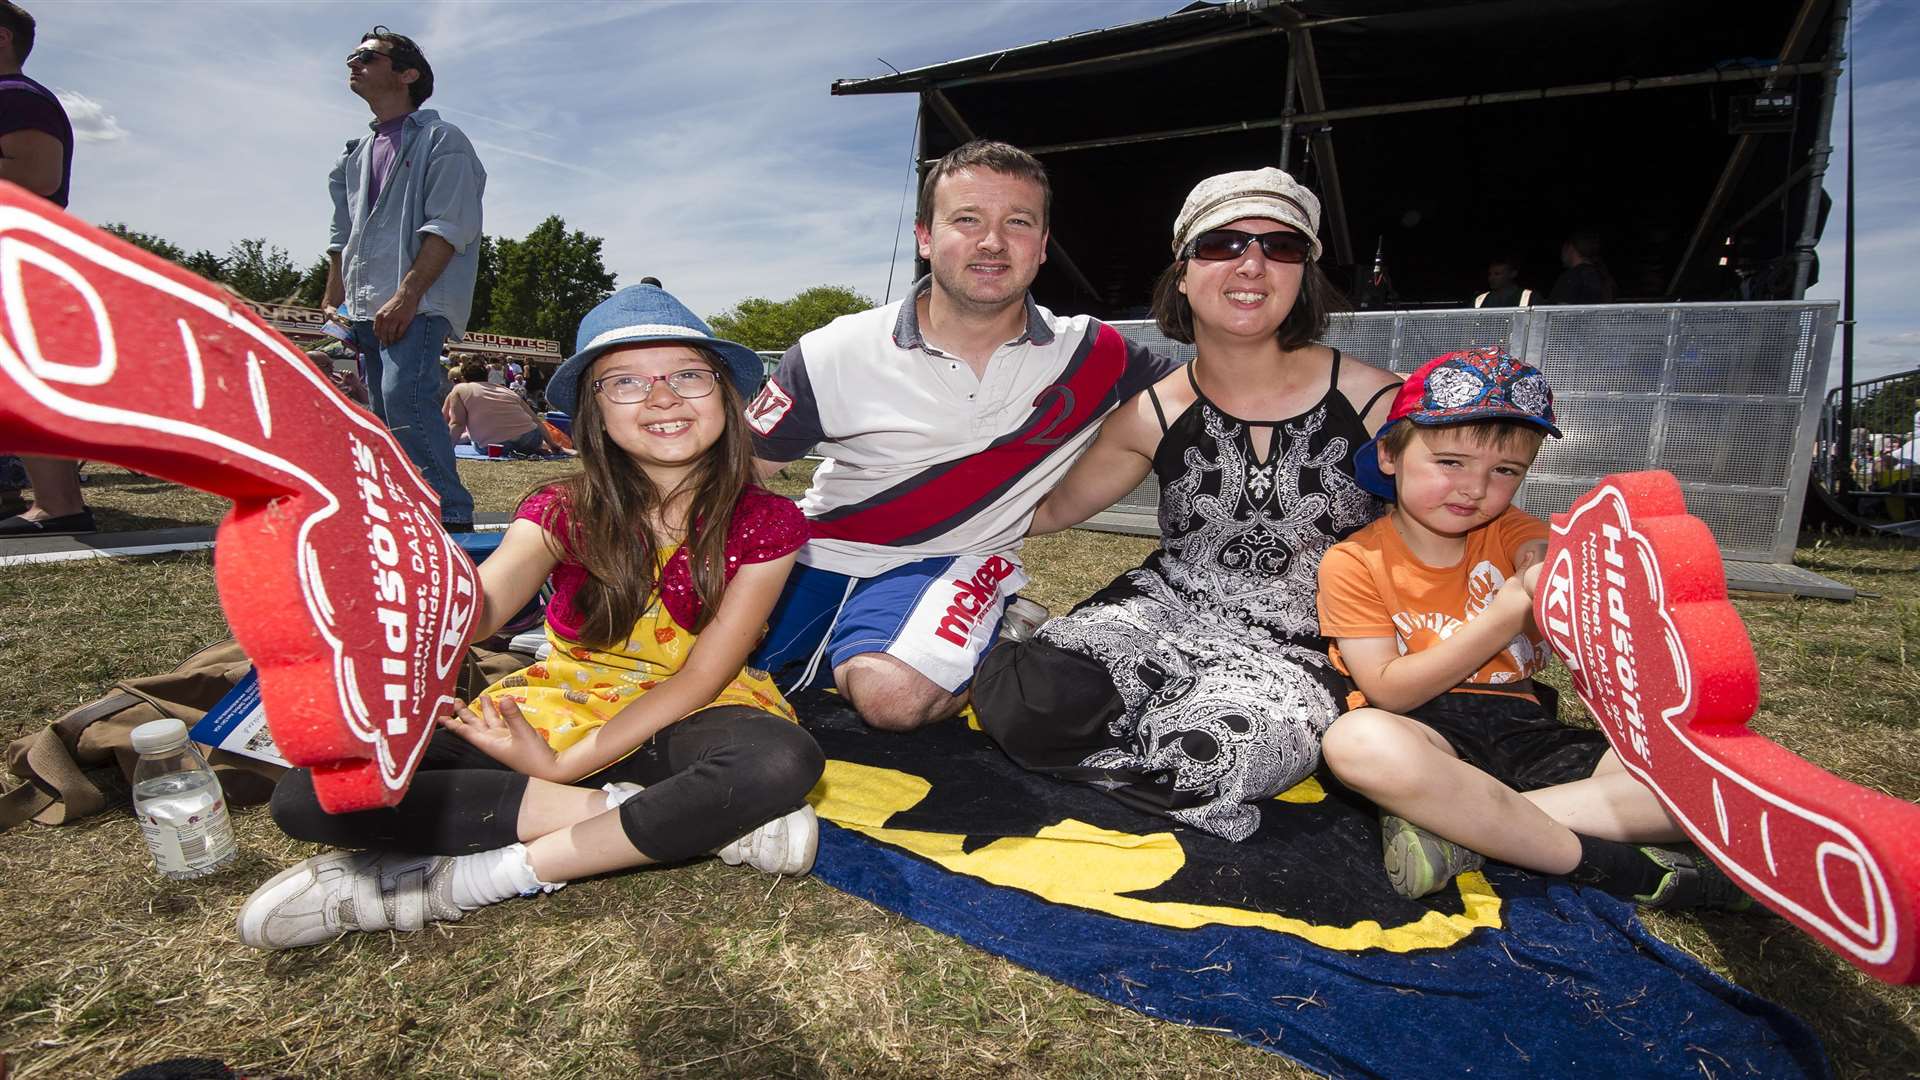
710, 971
127, 501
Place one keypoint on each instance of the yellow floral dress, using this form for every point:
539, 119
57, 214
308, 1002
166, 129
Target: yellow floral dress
577, 688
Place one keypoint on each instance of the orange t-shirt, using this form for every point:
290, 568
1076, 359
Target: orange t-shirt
1372, 585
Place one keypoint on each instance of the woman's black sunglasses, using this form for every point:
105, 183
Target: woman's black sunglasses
1217, 244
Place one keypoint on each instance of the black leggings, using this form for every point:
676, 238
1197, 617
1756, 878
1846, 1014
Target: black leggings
709, 778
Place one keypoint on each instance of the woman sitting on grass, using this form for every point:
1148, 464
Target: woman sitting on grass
643, 738
1198, 684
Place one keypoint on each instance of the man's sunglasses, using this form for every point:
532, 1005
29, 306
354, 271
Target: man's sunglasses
363, 57
1215, 245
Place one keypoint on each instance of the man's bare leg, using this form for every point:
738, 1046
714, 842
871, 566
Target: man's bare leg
891, 696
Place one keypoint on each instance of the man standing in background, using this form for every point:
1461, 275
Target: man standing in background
404, 252
36, 152
1503, 286
1586, 279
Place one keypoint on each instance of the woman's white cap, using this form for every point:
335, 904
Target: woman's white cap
1253, 193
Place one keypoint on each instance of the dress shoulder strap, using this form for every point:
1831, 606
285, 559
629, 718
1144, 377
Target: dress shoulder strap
1334, 382
1390, 388
1158, 411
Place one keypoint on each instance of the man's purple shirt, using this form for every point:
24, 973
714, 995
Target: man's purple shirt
386, 145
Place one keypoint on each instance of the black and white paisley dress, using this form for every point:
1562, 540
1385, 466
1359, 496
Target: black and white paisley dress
1199, 682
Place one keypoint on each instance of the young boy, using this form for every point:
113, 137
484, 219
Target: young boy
1431, 612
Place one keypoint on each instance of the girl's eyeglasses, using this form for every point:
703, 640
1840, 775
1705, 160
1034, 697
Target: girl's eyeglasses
632, 389
1215, 245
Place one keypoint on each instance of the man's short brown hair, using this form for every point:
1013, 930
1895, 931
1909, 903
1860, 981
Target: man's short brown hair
405, 55
994, 157
15, 18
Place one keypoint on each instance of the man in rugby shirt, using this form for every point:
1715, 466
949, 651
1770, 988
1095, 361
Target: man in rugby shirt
944, 419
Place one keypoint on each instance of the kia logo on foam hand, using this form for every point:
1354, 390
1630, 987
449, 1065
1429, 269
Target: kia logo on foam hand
971, 597
332, 567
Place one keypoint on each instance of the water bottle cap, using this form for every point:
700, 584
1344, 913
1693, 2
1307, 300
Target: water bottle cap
156, 736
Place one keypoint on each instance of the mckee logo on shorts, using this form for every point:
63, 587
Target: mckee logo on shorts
767, 408
972, 596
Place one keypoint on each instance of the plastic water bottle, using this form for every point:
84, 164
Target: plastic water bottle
176, 797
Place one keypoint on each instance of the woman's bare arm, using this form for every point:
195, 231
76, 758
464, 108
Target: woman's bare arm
1120, 457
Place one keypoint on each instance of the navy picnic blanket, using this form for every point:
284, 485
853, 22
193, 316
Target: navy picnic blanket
1292, 940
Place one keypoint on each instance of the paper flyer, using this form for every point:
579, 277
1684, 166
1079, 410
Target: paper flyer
238, 724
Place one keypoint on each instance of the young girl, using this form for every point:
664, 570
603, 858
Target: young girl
643, 737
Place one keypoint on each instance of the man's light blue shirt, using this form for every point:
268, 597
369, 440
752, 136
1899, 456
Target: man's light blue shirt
435, 187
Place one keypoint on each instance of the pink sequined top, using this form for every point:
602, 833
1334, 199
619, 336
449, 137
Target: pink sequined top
765, 527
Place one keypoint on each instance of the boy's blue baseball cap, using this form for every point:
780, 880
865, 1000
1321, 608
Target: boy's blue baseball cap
1454, 388
640, 314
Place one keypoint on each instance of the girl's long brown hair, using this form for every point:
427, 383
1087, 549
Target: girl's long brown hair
610, 502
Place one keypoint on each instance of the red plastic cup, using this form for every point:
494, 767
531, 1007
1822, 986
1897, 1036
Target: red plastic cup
495, 449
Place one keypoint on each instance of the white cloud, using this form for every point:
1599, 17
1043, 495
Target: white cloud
699, 140
91, 121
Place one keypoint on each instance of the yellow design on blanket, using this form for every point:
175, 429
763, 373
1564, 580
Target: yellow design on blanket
1080, 865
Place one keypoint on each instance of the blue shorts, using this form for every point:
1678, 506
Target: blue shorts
937, 616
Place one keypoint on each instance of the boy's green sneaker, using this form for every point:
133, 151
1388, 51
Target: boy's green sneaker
1691, 881
1419, 862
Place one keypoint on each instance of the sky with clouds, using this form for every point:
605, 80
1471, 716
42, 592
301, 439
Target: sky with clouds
698, 138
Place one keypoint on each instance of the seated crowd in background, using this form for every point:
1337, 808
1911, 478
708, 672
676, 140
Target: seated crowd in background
484, 413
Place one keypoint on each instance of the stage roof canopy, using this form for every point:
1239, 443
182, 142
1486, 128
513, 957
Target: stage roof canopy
1455, 131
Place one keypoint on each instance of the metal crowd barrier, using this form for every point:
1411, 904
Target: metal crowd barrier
1873, 470
1725, 396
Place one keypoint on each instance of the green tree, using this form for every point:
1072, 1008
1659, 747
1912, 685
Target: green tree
206, 264
1890, 408
484, 277
261, 272
148, 242
772, 326
545, 284
313, 284
202, 262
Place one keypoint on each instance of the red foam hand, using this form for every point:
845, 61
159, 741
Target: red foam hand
335, 574
1633, 598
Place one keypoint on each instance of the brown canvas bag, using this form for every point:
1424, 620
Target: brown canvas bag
83, 762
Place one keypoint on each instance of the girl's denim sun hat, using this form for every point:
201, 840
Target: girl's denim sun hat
636, 315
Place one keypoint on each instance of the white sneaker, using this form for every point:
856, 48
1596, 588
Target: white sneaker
326, 896
785, 845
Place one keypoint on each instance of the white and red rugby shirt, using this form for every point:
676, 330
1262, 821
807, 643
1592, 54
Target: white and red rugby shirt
923, 458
